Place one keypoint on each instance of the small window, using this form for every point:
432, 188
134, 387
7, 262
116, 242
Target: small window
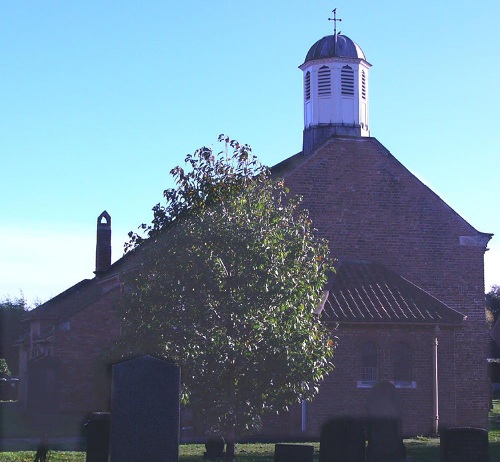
347, 81
64, 325
307, 86
369, 362
324, 81
402, 362
363, 85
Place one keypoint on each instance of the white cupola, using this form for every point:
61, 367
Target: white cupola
335, 90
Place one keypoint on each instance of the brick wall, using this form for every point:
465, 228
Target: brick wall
85, 376
371, 207
340, 395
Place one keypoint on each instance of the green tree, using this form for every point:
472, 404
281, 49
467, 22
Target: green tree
229, 285
493, 303
12, 311
211, 178
4, 368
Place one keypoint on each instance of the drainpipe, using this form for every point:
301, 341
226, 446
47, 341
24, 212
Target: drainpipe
304, 416
435, 382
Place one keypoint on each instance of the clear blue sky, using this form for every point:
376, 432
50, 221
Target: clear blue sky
100, 99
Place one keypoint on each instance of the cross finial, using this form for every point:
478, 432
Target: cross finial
334, 19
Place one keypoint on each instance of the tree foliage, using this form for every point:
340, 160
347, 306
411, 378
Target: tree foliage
493, 303
4, 368
12, 312
210, 179
230, 280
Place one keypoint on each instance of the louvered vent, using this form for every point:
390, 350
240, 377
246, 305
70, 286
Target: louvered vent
347, 81
307, 86
363, 85
324, 82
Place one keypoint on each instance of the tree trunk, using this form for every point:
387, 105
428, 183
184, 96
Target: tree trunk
230, 449
231, 434
231, 431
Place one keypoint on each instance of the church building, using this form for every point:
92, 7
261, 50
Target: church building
407, 297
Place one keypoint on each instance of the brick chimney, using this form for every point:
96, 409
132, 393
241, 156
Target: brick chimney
103, 247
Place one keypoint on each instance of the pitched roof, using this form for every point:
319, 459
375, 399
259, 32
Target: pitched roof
68, 302
85, 292
368, 292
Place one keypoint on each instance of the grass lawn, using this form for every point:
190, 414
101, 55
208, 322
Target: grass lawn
420, 449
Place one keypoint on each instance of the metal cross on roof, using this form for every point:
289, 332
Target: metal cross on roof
334, 19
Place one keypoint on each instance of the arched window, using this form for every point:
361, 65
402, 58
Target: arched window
347, 81
402, 362
307, 86
369, 362
363, 84
324, 81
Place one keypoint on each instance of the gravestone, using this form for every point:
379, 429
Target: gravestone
293, 453
97, 429
385, 440
464, 444
342, 440
145, 411
214, 448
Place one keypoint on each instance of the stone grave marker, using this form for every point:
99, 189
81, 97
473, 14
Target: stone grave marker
464, 444
97, 429
214, 448
342, 440
145, 411
385, 440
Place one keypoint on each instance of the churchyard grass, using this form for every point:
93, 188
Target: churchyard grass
55, 456
494, 431
421, 449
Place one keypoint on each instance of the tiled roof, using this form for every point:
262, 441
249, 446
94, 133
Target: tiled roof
68, 302
367, 292
82, 294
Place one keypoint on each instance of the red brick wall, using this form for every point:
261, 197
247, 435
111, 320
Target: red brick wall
340, 396
85, 376
370, 207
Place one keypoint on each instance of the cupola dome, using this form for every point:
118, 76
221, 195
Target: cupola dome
335, 91
328, 47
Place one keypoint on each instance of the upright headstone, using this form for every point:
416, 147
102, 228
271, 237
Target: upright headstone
214, 448
464, 444
385, 439
145, 411
97, 429
342, 440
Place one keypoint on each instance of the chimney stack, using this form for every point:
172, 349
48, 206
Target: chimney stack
103, 247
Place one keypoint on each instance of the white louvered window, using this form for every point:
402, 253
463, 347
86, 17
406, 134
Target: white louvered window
324, 81
363, 84
307, 86
347, 81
